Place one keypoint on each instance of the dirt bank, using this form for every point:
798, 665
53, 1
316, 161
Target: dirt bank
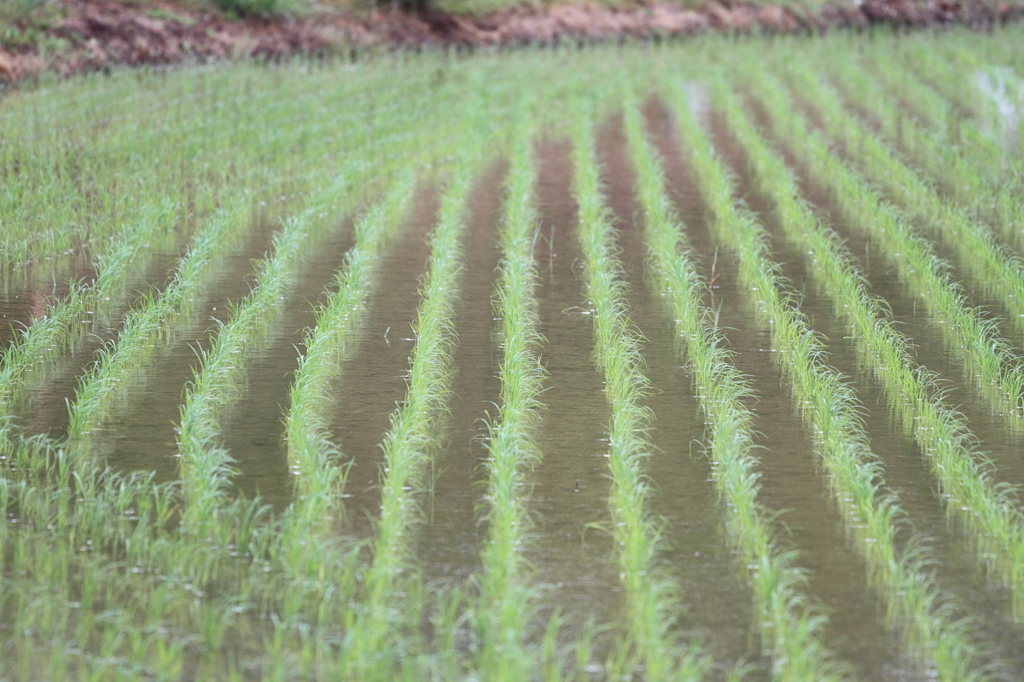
89, 35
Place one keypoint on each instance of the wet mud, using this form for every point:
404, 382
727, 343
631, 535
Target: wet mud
103, 33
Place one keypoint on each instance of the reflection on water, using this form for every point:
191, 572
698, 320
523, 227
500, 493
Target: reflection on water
141, 433
51, 389
574, 560
27, 295
793, 481
253, 427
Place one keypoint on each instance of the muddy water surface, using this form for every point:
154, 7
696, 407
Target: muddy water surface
793, 480
373, 378
449, 545
571, 483
25, 296
50, 390
253, 428
998, 436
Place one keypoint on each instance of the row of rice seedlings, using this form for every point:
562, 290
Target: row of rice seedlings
67, 319
992, 267
81, 550
507, 600
791, 625
145, 327
914, 605
382, 626
988, 360
239, 533
318, 567
206, 467
652, 597
99, 390
963, 473
977, 82
311, 452
45, 339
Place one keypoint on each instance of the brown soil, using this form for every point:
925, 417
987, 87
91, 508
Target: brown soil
97, 34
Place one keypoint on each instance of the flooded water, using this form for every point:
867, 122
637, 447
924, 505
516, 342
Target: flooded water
27, 295
998, 435
373, 378
51, 389
450, 543
575, 562
794, 482
570, 485
253, 428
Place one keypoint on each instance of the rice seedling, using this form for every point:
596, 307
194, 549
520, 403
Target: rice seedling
940, 641
963, 473
507, 600
792, 624
80, 172
988, 360
651, 595
143, 328
66, 321
967, 163
205, 465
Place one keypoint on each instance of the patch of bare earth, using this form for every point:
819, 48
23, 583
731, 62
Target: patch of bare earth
98, 34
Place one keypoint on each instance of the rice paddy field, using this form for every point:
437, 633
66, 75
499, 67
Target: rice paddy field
695, 361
